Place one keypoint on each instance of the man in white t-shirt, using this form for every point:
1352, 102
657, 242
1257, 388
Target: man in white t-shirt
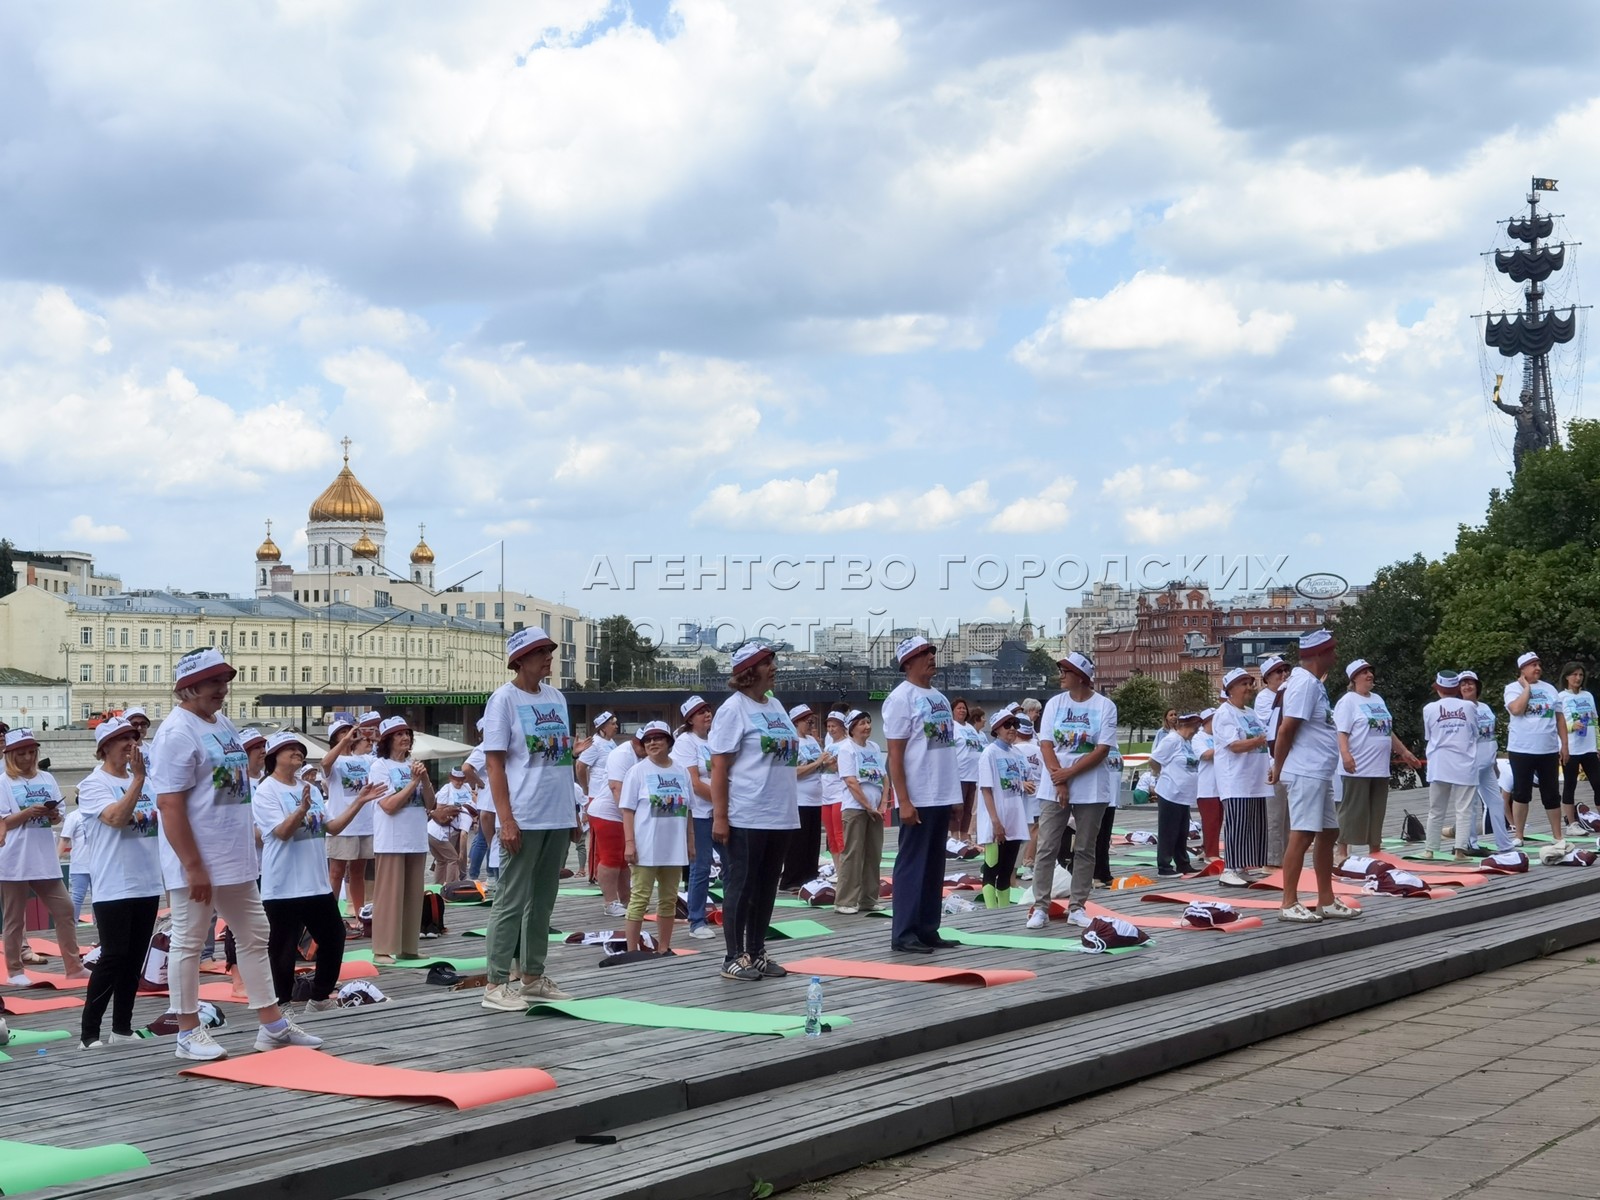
527, 740
1274, 674
1450, 724
1077, 734
1305, 756
920, 728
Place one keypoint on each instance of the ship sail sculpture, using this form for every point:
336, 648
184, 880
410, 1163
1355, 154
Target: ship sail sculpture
1534, 331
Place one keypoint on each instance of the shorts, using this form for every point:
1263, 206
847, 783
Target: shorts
1311, 808
349, 847
608, 842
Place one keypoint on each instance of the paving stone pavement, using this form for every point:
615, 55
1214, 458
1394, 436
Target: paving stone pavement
1487, 1088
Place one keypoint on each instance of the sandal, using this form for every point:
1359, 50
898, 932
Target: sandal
1299, 914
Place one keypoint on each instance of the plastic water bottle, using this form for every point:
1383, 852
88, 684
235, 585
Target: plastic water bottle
814, 1008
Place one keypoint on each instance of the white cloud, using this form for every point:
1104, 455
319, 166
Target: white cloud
502, 529
83, 528
897, 333
803, 504
1045, 510
1160, 502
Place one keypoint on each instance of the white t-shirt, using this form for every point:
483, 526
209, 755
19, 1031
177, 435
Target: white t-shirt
349, 776
969, 746
1044, 790
1365, 720
1534, 731
867, 766
833, 788
1488, 750
1075, 728
71, 832
765, 748
1003, 771
1578, 708
1113, 780
406, 832
1240, 776
1203, 741
1266, 710
921, 718
808, 791
30, 850
1179, 780
1315, 752
691, 751
599, 787
457, 796
1451, 726
203, 761
622, 759
1502, 772
478, 761
532, 729
298, 865
124, 863
658, 797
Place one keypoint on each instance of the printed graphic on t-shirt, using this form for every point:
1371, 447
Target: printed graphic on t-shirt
1377, 716
937, 721
399, 777
352, 775
1010, 772
1253, 728
32, 793
778, 736
145, 820
544, 729
667, 797
230, 770
1540, 707
809, 753
1580, 716
868, 768
315, 820
1075, 731
1485, 725
971, 737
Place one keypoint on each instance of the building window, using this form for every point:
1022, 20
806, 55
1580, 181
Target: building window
305, 674
226, 637
252, 675
424, 606
124, 672
85, 711
111, 674
155, 673
324, 674
305, 641
566, 629
272, 641
158, 639
461, 610
244, 709
86, 635
380, 599
255, 640
85, 673
144, 674
480, 609
124, 637
144, 639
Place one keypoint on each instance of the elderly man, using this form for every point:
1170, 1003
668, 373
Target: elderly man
1305, 755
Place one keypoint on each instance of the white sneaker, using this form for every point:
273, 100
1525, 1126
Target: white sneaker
94, 1045
848, 910
118, 1039
1038, 918
702, 933
616, 908
1232, 879
1079, 918
19, 981
1299, 914
199, 1045
1575, 830
542, 987
290, 1035
1516, 841
501, 998
318, 1006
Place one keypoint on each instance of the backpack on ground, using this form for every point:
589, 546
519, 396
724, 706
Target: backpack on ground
433, 915
1411, 829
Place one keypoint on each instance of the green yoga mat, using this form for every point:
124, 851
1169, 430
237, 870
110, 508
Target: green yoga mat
24, 1166
4, 1058
616, 1011
463, 965
789, 902
32, 1037
1018, 941
797, 929
580, 891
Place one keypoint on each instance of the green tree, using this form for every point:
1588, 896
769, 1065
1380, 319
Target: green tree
8, 573
710, 669
1040, 662
1140, 704
624, 655
1392, 626
1191, 691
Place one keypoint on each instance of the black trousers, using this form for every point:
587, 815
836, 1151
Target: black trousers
318, 916
1528, 768
1590, 764
804, 855
752, 861
999, 876
1172, 837
1102, 848
124, 928
918, 901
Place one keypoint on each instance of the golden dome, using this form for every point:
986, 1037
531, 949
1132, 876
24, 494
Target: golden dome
268, 550
365, 547
346, 501
423, 553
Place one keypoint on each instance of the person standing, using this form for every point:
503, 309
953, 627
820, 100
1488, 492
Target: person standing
609, 840
969, 745
1367, 742
804, 857
119, 844
452, 816
1451, 726
864, 770
1537, 740
346, 764
1177, 788
1243, 764
30, 808
1077, 734
656, 834
691, 753
1207, 800
833, 789
209, 859
1490, 798
1274, 673
527, 739
1304, 757
754, 806
920, 729
1003, 808
70, 844
399, 844
606, 863
1577, 713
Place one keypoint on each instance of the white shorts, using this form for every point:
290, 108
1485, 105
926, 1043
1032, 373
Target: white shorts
1311, 807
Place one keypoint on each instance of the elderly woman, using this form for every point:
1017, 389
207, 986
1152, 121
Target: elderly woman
803, 859
30, 805
399, 844
119, 839
208, 854
1241, 761
864, 770
754, 807
1367, 742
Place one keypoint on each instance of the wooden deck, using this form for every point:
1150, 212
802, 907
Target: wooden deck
700, 1114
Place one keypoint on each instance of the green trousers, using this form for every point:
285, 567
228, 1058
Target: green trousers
519, 922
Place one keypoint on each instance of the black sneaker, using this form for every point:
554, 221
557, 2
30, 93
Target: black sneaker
911, 946
741, 968
768, 968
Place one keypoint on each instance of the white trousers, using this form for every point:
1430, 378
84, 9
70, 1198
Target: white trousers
239, 904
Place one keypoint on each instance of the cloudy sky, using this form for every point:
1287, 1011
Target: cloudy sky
927, 280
